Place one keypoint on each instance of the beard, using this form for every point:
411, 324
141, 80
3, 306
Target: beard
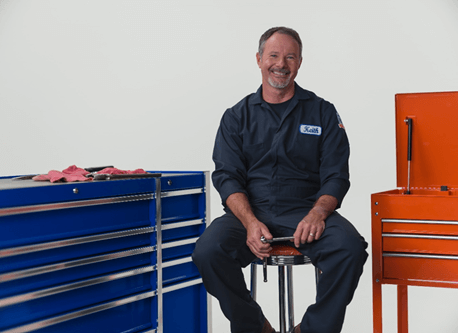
279, 85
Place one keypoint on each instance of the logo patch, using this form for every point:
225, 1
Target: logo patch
310, 129
341, 125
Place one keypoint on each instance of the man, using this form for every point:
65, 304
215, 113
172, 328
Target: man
281, 168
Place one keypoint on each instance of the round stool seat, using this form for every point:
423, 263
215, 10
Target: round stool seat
283, 254
284, 250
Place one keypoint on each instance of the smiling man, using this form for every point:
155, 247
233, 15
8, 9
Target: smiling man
281, 168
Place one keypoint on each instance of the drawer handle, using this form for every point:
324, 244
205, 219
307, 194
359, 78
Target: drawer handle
420, 236
166, 264
181, 285
74, 263
179, 243
419, 221
424, 256
181, 224
181, 192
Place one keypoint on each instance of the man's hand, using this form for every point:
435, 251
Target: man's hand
254, 233
239, 205
311, 227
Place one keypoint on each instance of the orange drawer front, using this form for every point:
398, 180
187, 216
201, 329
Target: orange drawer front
420, 227
423, 267
420, 244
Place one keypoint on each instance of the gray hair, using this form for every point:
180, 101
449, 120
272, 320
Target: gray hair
281, 30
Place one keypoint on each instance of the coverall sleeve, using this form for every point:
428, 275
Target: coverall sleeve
335, 152
230, 166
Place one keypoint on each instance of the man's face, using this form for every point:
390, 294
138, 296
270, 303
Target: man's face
280, 61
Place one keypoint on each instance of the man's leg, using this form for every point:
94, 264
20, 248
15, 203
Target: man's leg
340, 255
220, 254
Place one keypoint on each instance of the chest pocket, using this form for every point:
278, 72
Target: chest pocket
304, 150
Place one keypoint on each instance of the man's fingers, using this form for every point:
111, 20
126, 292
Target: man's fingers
259, 249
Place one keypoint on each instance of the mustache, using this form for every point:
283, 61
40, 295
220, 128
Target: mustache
281, 70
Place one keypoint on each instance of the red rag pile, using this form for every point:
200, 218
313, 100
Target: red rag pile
116, 171
71, 174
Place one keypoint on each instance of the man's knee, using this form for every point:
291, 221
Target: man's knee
355, 249
205, 252
342, 239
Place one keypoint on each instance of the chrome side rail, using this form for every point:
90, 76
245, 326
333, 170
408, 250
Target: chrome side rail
160, 315
73, 204
72, 241
15, 275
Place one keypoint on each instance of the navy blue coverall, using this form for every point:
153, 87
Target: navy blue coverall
283, 165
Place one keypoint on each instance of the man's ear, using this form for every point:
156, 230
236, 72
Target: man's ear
258, 59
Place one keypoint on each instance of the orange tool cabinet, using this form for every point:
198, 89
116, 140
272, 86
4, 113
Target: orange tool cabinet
415, 227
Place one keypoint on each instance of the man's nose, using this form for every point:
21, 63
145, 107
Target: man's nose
281, 62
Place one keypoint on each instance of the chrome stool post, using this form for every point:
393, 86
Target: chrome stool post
282, 256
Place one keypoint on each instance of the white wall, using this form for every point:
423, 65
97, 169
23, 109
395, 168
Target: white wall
143, 83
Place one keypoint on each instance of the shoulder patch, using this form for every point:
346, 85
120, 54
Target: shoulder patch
339, 120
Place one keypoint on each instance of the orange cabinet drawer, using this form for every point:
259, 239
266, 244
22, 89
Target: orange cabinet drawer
420, 244
420, 267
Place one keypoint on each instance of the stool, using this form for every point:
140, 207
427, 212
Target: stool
282, 255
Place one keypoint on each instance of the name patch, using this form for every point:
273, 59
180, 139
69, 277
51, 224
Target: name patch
310, 129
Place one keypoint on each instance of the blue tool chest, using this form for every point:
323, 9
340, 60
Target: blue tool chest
103, 255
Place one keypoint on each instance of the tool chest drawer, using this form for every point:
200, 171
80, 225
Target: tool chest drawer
43, 223
178, 270
420, 267
420, 244
102, 256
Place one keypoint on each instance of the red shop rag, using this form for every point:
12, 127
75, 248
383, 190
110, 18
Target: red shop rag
75, 174
116, 171
71, 174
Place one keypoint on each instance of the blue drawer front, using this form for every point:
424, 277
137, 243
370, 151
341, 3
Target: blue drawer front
179, 273
171, 181
15, 193
178, 251
59, 254
62, 302
191, 304
22, 229
132, 317
183, 207
10, 286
